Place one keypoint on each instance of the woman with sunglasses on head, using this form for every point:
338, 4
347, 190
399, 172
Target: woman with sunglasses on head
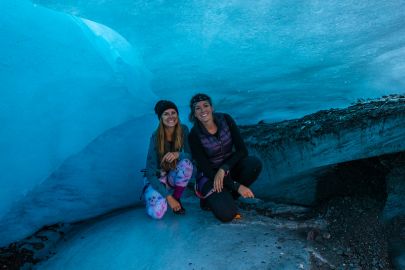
168, 166
225, 171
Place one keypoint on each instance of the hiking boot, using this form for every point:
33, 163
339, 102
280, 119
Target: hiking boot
204, 205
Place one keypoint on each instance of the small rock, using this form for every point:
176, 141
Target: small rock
312, 234
326, 235
38, 246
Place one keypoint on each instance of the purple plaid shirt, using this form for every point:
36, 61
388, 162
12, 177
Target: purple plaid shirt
217, 147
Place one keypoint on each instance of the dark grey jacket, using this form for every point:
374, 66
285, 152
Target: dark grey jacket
153, 163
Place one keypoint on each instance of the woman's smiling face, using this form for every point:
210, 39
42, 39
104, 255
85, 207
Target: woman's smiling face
170, 118
203, 111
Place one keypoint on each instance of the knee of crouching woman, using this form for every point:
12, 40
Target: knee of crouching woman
227, 216
186, 166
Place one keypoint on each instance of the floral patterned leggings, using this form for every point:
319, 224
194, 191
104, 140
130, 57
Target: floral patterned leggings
176, 180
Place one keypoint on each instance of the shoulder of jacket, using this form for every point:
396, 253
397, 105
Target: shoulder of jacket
228, 118
221, 115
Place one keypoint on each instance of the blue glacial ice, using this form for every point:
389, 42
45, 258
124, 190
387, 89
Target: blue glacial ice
65, 81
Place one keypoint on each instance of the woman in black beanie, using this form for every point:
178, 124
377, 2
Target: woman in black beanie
168, 165
224, 169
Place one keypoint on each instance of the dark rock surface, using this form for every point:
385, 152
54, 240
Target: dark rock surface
396, 236
296, 153
26, 253
359, 115
395, 182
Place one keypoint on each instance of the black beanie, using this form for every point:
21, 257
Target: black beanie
163, 105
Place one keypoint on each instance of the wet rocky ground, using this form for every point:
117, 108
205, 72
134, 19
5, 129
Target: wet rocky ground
341, 233
28, 252
358, 239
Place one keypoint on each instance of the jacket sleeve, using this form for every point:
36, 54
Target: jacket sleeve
199, 155
185, 152
240, 147
153, 168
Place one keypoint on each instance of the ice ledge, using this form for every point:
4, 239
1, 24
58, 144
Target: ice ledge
294, 151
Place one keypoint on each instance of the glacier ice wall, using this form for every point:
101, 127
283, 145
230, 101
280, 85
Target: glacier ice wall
65, 81
104, 175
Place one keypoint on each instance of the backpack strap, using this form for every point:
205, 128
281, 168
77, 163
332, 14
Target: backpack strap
200, 181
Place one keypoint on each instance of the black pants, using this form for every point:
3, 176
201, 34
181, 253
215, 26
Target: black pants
222, 203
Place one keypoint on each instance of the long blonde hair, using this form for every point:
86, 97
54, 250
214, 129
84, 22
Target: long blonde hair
161, 138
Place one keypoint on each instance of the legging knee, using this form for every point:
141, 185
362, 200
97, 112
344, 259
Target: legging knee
222, 205
153, 213
183, 173
156, 205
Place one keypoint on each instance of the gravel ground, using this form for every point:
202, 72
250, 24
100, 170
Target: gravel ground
358, 239
342, 233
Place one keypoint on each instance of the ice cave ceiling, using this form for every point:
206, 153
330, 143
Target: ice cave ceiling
279, 59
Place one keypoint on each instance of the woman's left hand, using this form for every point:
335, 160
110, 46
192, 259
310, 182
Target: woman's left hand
245, 192
170, 157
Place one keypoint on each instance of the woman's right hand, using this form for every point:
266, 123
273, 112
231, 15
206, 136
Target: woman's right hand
245, 192
219, 180
173, 203
169, 157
